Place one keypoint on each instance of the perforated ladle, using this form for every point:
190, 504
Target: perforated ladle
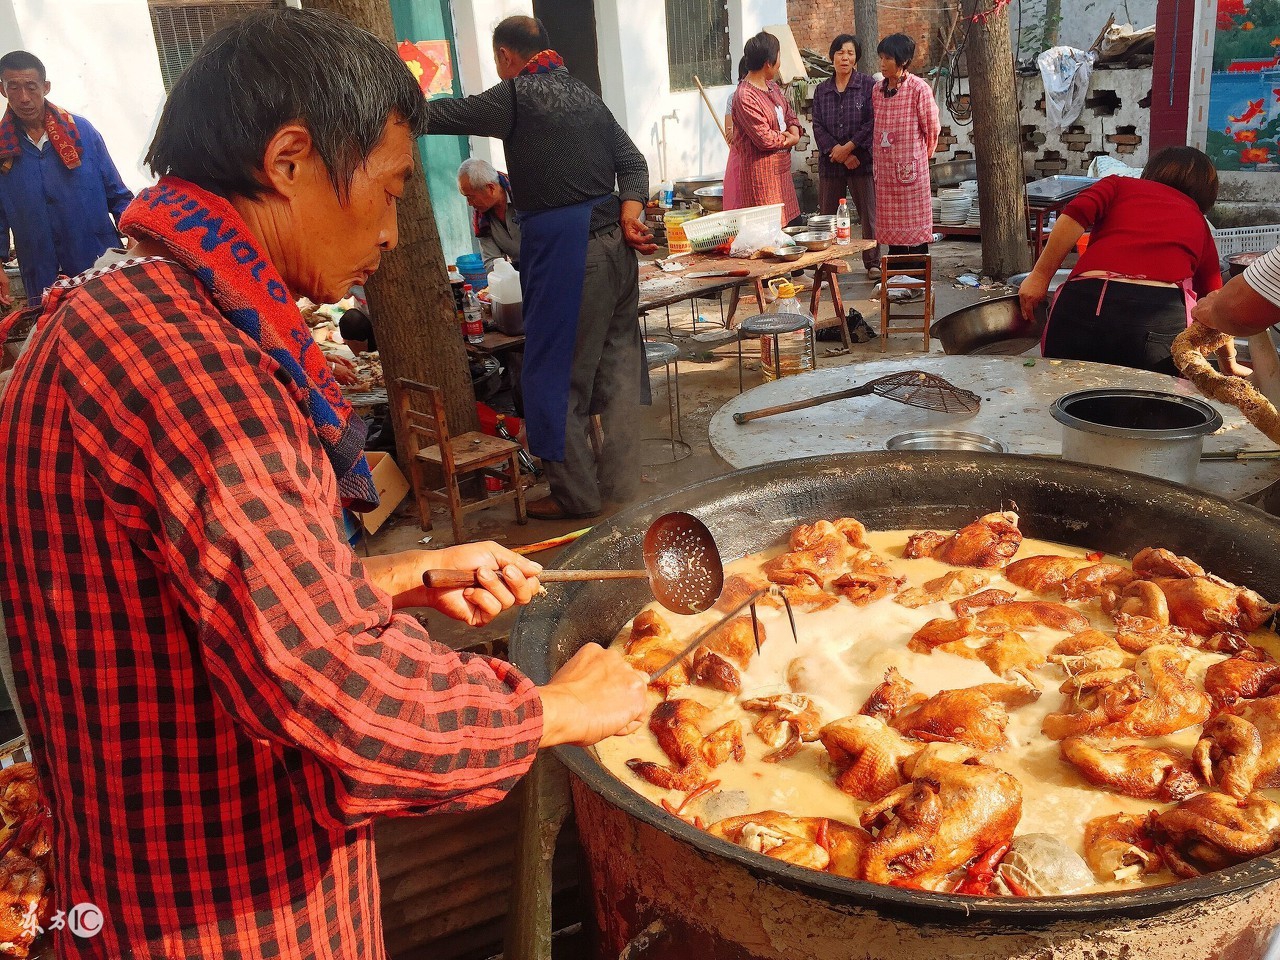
682, 564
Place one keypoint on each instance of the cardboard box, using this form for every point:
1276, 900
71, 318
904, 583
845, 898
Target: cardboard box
392, 488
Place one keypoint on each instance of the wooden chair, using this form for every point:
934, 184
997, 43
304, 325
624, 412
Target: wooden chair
431, 444
905, 265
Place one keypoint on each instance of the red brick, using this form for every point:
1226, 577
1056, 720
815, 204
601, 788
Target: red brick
814, 23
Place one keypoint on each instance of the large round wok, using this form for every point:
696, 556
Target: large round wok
755, 508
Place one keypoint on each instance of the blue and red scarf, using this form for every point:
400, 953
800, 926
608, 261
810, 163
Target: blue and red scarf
543, 62
480, 221
203, 233
59, 127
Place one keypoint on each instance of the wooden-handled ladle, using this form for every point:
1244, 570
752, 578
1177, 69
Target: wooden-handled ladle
682, 564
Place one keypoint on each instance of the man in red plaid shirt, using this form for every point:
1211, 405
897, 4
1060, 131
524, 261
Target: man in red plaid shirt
220, 696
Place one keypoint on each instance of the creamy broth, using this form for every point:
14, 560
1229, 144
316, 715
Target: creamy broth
847, 650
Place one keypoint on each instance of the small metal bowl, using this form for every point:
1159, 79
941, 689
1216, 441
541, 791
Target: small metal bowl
822, 221
944, 440
792, 231
813, 239
788, 254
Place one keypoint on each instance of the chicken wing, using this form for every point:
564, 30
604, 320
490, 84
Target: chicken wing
20, 798
1211, 831
678, 726
1091, 582
786, 721
948, 813
1239, 750
1135, 771
1155, 698
867, 755
989, 542
1243, 676
1119, 847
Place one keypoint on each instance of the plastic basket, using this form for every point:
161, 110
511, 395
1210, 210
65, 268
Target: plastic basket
1233, 240
719, 230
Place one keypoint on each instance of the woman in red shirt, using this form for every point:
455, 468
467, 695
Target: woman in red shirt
1150, 253
765, 129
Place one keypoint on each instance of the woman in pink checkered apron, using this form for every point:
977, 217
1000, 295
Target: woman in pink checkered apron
906, 134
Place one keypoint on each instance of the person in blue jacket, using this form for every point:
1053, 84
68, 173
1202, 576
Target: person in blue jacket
59, 189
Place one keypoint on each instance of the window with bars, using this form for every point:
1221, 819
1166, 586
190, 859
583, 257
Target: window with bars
182, 26
697, 43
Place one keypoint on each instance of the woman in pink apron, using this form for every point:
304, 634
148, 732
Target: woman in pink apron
906, 134
1150, 255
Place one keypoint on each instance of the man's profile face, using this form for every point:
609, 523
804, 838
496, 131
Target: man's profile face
482, 199
26, 93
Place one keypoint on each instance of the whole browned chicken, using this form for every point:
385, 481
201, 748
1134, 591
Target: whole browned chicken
950, 811
1120, 847
1146, 773
719, 662
26, 903
1239, 750
1207, 605
678, 726
1044, 574
786, 721
650, 646
989, 542
814, 842
1155, 698
973, 716
1211, 831
1242, 676
867, 755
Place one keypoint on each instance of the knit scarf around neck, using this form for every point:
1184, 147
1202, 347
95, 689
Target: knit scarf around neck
59, 127
203, 232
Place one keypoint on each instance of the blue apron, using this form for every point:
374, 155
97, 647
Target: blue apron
553, 266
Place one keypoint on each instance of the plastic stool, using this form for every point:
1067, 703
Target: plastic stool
774, 325
666, 355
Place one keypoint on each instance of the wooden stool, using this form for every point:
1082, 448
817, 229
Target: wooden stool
471, 452
829, 273
906, 265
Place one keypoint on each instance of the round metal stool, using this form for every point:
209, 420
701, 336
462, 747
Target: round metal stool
774, 325
666, 355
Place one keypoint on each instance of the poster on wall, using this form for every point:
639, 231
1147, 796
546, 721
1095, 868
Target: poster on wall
1244, 98
429, 61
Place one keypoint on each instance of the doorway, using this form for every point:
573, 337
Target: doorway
572, 27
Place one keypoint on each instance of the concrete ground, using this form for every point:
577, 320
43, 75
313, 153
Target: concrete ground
708, 379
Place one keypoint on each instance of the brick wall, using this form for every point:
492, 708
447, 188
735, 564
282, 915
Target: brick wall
815, 22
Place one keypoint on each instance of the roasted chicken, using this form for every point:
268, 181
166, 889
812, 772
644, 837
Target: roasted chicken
952, 585
650, 646
1239, 750
951, 810
719, 662
25, 903
862, 589
1087, 651
814, 842
1120, 847
678, 726
1076, 578
1242, 676
786, 721
973, 716
867, 755
989, 542
891, 696
1135, 771
1211, 831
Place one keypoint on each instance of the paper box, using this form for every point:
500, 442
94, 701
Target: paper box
392, 488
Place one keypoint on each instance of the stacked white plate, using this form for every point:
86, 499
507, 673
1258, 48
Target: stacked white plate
970, 188
955, 207
937, 209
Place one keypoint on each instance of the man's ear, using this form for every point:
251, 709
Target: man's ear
47, 87
289, 152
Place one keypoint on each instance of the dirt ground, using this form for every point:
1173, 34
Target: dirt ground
708, 379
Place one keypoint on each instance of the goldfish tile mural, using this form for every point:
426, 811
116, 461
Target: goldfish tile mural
1244, 99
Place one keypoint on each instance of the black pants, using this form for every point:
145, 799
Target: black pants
896, 249
1126, 324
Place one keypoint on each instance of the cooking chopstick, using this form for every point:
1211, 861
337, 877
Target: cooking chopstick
1241, 455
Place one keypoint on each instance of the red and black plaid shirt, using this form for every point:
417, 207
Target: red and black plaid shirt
219, 702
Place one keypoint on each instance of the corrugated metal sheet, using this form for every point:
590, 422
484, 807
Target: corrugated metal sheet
181, 27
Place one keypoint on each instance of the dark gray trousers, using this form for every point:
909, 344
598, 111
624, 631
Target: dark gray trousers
607, 379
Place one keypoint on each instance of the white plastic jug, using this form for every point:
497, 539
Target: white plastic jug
506, 298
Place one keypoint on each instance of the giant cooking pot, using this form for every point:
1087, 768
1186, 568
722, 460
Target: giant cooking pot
678, 892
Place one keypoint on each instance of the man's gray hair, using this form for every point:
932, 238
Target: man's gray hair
478, 172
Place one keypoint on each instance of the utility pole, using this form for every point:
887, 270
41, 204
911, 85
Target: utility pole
866, 24
409, 297
997, 143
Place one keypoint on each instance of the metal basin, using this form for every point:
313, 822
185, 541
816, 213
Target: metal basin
711, 198
952, 173
1159, 434
716, 901
919, 440
813, 240
686, 188
991, 327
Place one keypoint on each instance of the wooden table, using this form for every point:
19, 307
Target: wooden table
495, 342
1015, 406
660, 289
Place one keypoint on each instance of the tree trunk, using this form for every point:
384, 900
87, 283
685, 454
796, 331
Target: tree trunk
866, 24
997, 145
410, 299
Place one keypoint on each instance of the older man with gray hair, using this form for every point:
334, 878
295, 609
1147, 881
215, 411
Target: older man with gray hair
493, 219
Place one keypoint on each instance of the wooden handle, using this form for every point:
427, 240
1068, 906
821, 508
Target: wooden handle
452, 579
714, 116
748, 415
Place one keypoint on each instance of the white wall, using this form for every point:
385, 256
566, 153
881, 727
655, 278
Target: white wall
631, 36
1082, 20
102, 62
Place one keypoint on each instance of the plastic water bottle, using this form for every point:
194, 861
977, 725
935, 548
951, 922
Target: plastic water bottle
472, 317
842, 222
667, 194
